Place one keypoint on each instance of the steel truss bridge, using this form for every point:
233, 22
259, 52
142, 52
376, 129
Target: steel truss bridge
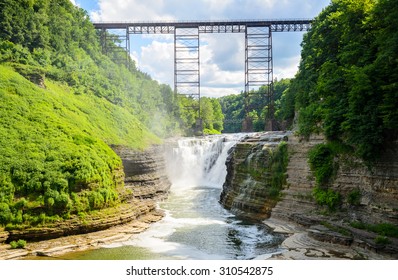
258, 51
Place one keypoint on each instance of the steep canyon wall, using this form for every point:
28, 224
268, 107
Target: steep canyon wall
247, 188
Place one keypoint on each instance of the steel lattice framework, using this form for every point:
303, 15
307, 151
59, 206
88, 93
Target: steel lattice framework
258, 51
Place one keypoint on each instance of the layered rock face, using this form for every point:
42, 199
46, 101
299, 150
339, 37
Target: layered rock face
145, 182
297, 196
145, 172
376, 189
247, 191
377, 186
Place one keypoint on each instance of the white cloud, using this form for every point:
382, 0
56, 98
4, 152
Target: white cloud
218, 92
157, 59
227, 50
287, 68
135, 56
130, 10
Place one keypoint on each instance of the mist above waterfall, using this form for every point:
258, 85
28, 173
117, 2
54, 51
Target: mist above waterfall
199, 161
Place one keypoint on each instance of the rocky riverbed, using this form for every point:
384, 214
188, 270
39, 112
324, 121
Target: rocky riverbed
302, 244
55, 247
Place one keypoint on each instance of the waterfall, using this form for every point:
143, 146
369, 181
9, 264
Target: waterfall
196, 225
199, 161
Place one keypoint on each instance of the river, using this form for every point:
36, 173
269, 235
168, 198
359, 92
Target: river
195, 226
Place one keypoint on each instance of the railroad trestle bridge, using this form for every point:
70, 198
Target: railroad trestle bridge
258, 51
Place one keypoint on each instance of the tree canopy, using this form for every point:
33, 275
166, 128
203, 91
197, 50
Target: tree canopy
346, 86
63, 105
233, 107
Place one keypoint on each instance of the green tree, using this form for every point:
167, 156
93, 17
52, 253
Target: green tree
346, 84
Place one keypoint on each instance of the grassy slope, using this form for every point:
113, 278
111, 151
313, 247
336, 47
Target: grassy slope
54, 149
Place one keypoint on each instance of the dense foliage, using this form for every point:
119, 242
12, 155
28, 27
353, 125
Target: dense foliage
59, 40
63, 105
212, 115
233, 107
347, 84
54, 156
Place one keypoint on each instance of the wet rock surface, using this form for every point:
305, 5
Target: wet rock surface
246, 191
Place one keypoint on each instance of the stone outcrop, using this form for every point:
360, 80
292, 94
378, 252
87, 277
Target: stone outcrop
125, 213
145, 182
246, 192
377, 189
145, 172
247, 189
297, 196
3, 236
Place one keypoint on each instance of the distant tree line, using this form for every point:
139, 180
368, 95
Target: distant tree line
234, 107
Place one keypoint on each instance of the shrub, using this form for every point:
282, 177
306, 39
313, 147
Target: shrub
327, 197
5, 213
322, 163
383, 229
18, 244
96, 200
382, 240
354, 197
21, 204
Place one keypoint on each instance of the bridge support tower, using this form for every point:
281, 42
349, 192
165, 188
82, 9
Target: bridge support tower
258, 54
258, 70
187, 69
116, 45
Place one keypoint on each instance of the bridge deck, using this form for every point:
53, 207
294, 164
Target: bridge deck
233, 26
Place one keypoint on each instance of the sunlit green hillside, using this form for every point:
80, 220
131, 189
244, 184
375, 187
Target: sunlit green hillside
54, 153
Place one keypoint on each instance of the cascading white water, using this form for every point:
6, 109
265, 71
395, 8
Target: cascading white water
196, 226
199, 161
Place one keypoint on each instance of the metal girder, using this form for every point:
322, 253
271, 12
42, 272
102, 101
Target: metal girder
187, 63
258, 51
226, 26
116, 43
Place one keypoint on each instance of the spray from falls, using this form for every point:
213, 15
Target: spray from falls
196, 225
199, 161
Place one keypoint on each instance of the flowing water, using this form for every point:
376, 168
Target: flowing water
196, 226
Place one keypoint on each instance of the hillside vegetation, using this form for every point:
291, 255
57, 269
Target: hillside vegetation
347, 84
63, 105
54, 156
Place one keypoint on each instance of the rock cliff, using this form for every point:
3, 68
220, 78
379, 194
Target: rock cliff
377, 186
376, 189
145, 182
248, 190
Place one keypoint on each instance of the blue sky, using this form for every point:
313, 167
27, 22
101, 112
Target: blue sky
222, 56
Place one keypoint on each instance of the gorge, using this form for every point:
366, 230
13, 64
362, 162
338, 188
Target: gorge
197, 174
84, 163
